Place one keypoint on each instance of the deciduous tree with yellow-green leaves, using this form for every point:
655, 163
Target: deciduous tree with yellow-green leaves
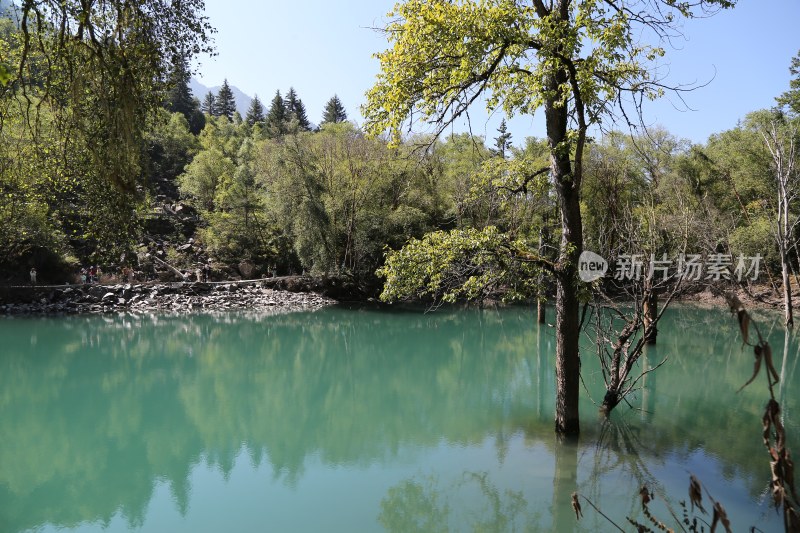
582, 62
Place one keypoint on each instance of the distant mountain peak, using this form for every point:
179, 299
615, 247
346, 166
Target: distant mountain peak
200, 91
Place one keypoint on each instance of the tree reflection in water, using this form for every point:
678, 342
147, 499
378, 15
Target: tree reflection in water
95, 413
421, 505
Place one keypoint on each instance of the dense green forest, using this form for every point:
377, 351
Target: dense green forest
167, 180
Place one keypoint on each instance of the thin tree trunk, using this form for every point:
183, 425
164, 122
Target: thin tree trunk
785, 238
541, 353
797, 258
650, 314
542, 302
787, 292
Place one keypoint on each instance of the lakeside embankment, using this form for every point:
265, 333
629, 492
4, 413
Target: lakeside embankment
275, 294
284, 294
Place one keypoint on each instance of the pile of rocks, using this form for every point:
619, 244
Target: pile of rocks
166, 297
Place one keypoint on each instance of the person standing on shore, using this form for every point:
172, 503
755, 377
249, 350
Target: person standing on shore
33, 275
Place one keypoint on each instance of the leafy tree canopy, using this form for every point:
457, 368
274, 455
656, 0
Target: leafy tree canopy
588, 56
109, 61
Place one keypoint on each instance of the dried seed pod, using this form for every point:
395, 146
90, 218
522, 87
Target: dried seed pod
695, 493
576, 506
767, 351
756, 365
744, 324
646, 495
720, 516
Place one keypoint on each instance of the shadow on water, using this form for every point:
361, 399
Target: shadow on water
97, 413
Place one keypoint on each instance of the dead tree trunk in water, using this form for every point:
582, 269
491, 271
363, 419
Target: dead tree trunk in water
780, 138
650, 313
541, 314
788, 311
618, 369
541, 297
620, 350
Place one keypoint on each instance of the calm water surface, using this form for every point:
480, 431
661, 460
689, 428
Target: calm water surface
354, 420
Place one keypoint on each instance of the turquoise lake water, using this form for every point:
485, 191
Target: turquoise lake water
351, 420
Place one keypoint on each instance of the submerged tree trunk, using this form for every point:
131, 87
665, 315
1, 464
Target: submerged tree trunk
567, 303
787, 292
650, 314
618, 368
541, 297
785, 237
568, 364
567, 179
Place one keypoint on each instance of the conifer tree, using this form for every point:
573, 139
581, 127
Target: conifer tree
295, 110
226, 104
334, 111
503, 141
179, 97
255, 114
197, 120
791, 98
209, 105
276, 117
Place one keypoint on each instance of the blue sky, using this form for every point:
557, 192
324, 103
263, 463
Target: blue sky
322, 47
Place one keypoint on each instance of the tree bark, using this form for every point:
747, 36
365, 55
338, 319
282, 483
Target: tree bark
567, 185
567, 333
787, 292
567, 304
542, 302
650, 314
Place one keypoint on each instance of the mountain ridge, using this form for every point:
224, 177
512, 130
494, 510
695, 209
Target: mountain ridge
242, 99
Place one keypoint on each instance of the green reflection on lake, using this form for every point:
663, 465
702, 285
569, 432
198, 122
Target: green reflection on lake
358, 420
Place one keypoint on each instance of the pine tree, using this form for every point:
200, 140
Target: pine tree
334, 111
255, 113
197, 120
791, 98
276, 117
502, 141
179, 96
295, 110
226, 105
209, 105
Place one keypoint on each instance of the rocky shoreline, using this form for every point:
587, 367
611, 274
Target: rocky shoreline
267, 295
275, 295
